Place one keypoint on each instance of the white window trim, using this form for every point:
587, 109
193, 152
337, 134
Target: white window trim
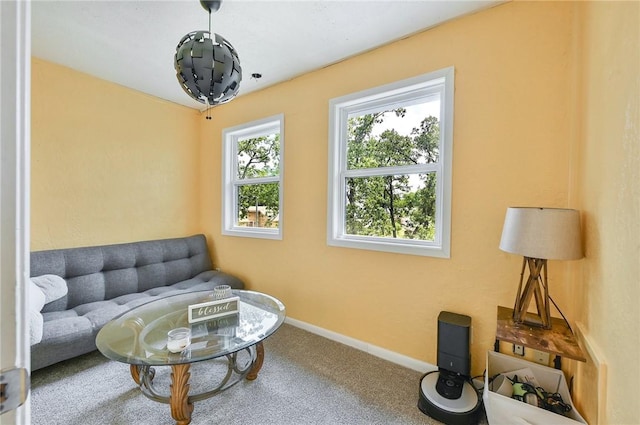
400, 92
230, 137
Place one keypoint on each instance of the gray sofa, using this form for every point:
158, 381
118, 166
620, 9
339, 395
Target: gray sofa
106, 281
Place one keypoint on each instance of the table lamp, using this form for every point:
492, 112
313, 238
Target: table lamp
539, 234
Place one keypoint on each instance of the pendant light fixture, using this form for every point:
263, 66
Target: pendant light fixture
207, 66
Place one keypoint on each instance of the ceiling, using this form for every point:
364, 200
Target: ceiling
132, 43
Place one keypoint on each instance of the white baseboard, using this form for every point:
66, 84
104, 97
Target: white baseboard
374, 350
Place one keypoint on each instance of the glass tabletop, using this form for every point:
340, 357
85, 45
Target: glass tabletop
139, 337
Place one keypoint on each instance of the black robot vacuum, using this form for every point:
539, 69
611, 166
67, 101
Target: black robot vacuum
447, 394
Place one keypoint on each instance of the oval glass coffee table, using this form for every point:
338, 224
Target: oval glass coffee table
139, 338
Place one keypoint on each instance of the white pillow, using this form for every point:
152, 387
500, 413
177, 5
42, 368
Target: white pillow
35, 300
54, 287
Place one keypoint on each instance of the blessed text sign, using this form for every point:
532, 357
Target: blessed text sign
212, 309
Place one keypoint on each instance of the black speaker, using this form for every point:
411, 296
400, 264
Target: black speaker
454, 342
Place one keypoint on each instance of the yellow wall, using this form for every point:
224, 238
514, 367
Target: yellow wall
609, 196
108, 164
546, 114
511, 147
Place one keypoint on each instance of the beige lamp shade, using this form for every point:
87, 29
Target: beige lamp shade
545, 233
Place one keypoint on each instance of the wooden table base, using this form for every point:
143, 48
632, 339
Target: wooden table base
179, 401
257, 365
181, 407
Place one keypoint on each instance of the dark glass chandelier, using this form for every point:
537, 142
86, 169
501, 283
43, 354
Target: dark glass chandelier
207, 66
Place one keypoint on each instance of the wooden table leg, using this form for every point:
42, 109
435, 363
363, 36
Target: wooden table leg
135, 373
181, 408
253, 373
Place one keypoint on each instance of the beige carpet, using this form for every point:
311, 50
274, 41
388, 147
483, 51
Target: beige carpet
306, 379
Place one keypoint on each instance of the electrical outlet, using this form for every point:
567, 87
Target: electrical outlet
541, 357
518, 349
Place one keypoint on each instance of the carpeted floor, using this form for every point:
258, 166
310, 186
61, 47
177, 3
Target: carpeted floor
306, 379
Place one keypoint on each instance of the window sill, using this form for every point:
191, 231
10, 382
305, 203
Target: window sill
383, 245
247, 232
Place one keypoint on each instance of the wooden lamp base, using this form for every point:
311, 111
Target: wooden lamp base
536, 286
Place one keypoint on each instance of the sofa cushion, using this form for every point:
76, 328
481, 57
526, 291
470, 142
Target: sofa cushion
67, 330
106, 272
63, 339
85, 289
101, 316
119, 281
56, 315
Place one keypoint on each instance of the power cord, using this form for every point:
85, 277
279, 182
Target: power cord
554, 303
561, 314
473, 384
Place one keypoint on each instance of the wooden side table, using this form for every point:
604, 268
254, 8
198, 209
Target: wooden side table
559, 340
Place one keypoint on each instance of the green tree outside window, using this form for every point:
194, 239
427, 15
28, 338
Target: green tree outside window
258, 157
391, 205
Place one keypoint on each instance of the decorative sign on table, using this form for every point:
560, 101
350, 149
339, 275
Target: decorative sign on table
225, 325
212, 309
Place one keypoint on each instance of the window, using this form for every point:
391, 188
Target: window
252, 179
390, 167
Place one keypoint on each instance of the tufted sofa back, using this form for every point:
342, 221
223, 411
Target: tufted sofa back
104, 272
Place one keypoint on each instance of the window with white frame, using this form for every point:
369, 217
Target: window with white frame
252, 179
390, 159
